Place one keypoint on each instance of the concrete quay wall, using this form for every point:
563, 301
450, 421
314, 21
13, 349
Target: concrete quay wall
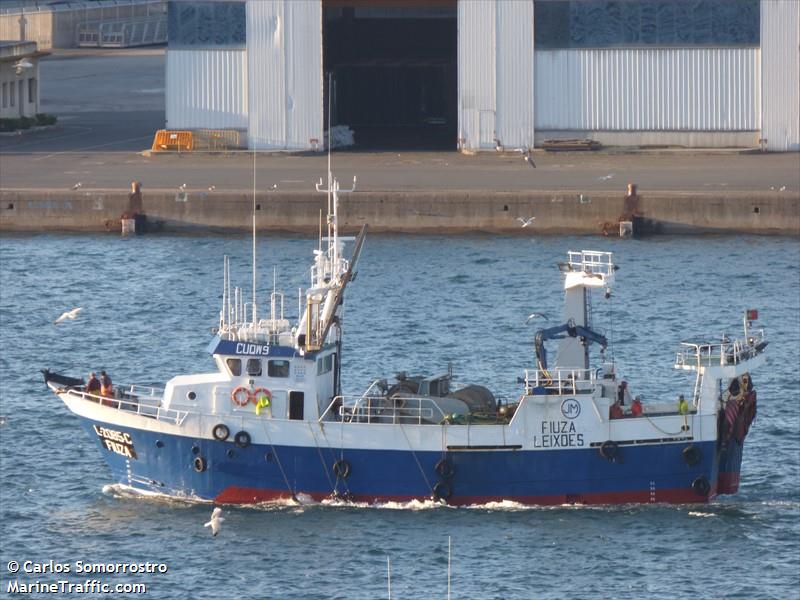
405, 212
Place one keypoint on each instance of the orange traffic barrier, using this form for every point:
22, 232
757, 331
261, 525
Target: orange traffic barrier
173, 140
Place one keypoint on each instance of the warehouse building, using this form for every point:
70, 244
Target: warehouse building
478, 74
19, 79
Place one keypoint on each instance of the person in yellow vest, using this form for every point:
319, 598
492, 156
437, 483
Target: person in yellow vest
683, 408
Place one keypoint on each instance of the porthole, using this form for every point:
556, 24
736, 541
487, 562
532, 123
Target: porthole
191, 395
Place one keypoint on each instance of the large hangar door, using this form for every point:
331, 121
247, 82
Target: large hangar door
394, 66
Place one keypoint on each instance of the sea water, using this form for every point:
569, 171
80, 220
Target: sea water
418, 305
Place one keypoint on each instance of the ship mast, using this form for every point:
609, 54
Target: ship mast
255, 320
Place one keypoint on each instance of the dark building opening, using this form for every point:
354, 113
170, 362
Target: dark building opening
394, 66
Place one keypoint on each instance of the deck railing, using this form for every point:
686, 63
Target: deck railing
722, 352
560, 381
590, 261
141, 400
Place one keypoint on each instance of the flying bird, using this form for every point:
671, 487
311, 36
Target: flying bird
77, 185
70, 314
526, 156
211, 188
535, 315
526, 222
182, 187
606, 177
215, 522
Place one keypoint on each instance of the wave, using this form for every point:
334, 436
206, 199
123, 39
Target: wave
694, 513
120, 490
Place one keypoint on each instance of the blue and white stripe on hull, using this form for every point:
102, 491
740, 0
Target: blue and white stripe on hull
208, 469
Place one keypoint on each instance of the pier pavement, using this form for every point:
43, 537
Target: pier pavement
77, 175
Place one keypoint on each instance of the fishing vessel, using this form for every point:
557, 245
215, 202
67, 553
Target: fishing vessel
270, 422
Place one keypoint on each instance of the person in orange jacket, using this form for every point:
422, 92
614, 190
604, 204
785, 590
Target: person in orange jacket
106, 388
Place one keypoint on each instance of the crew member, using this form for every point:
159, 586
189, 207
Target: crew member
106, 390
623, 395
105, 385
683, 408
636, 406
93, 385
615, 411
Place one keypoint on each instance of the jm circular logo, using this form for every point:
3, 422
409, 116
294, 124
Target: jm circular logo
570, 408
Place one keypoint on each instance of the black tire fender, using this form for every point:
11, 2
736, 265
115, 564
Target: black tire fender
220, 432
701, 486
442, 491
242, 439
692, 455
608, 449
445, 469
341, 468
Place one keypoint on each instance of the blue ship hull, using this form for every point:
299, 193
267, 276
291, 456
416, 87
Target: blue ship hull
211, 470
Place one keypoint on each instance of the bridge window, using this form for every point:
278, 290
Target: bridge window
278, 368
254, 367
235, 366
325, 364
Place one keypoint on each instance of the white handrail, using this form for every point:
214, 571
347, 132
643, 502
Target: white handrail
136, 403
561, 380
725, 351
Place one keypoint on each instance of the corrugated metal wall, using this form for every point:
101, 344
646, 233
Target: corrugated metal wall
476, 73
495, 73
206, 89
514, 122
780, 69
700, 89
284, 48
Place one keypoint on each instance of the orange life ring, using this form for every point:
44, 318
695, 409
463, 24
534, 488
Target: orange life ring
259, 393
240, 396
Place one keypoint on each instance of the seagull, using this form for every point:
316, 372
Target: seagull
77, 185
497, 145
3, 420
182, 187
215, 522
70, 314
211, 188
274, 186
606, 177
526, 222
535, 315
783, 188
526, 156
